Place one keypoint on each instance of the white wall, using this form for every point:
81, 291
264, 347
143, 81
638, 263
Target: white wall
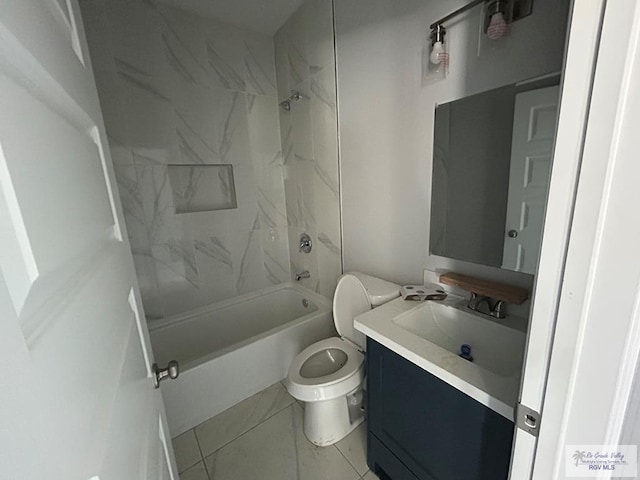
386, 117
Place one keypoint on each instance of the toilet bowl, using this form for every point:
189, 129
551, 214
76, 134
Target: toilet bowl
329, 375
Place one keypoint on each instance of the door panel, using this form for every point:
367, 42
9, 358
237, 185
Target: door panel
534, 126
77, 400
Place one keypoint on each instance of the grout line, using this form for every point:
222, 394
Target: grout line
243, 433
197, 461
348, 461
198, 443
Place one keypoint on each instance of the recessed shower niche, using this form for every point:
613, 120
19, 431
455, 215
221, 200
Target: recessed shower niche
202, 188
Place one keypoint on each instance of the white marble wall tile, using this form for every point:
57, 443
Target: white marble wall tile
324, 121
157, 199
230, 127
148, 113
98, 32
248, 259
320, 41
226, 55
215, 267
259, 64
329, 265
286, 137
301, 121
304, 261
184, 45
305, 62
242, 219
177, 294
275, 246
264, 131
271, 206
199, 188
136, 36
280, 41
305, 198
297, 50
181, 89
178, 261
300, 193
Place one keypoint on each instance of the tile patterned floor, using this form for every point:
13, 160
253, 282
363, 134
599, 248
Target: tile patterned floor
261, 438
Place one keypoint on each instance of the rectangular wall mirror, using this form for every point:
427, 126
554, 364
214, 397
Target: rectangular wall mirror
491, 166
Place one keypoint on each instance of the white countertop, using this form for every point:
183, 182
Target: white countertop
499, 393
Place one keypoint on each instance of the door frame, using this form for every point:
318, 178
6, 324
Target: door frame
583, 38
597, 337
587, 294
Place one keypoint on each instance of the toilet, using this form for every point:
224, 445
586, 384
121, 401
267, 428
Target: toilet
329, 375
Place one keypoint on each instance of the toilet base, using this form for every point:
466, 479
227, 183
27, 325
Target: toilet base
329, 421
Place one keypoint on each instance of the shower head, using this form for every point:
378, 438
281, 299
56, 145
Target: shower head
295, 95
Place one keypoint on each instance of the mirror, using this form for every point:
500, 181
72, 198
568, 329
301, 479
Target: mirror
491, 166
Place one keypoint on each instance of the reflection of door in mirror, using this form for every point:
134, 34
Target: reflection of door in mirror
534, 125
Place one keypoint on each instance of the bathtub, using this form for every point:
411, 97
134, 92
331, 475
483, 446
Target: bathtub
230, 350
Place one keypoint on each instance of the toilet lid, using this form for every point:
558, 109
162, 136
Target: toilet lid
349, 301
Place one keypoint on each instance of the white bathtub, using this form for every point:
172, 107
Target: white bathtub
233, 349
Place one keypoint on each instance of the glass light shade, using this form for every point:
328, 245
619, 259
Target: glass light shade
498, 27
437, 53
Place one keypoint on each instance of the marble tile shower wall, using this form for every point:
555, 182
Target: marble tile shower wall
180, 89
305, 62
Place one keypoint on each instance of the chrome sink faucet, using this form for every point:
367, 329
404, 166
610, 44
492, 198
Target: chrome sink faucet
496, 310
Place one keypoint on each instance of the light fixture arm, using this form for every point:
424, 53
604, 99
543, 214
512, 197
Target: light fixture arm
459, 11
513, 10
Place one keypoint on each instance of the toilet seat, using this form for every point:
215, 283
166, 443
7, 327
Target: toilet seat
344, 380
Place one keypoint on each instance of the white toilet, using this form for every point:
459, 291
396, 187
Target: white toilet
329, 375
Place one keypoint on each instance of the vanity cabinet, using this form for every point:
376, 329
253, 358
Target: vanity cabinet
422, 428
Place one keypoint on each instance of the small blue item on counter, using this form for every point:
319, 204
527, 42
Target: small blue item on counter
465, 352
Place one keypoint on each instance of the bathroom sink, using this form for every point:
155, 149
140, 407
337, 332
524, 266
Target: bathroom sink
494, 347
430, 334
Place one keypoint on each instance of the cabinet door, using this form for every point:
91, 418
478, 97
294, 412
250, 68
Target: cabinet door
438, 432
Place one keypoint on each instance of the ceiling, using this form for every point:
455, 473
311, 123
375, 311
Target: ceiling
265, 16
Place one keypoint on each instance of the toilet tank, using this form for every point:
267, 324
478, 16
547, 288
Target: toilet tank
357, 293
379, 291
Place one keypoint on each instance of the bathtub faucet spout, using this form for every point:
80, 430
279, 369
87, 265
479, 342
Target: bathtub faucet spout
301, 275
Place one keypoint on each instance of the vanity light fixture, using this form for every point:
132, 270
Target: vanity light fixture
498, 15
498, 27
438, 52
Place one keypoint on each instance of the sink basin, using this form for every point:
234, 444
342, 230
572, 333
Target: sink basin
429, 334
494, 347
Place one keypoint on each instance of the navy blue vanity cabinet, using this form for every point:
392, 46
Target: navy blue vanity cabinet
421, 428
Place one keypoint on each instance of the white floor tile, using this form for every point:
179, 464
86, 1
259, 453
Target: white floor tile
370, 476
186, 449
230, 424
278, 450
354, 448
197, 472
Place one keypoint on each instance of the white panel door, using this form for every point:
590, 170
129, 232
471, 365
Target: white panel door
534, 128
581, 54
76, 396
